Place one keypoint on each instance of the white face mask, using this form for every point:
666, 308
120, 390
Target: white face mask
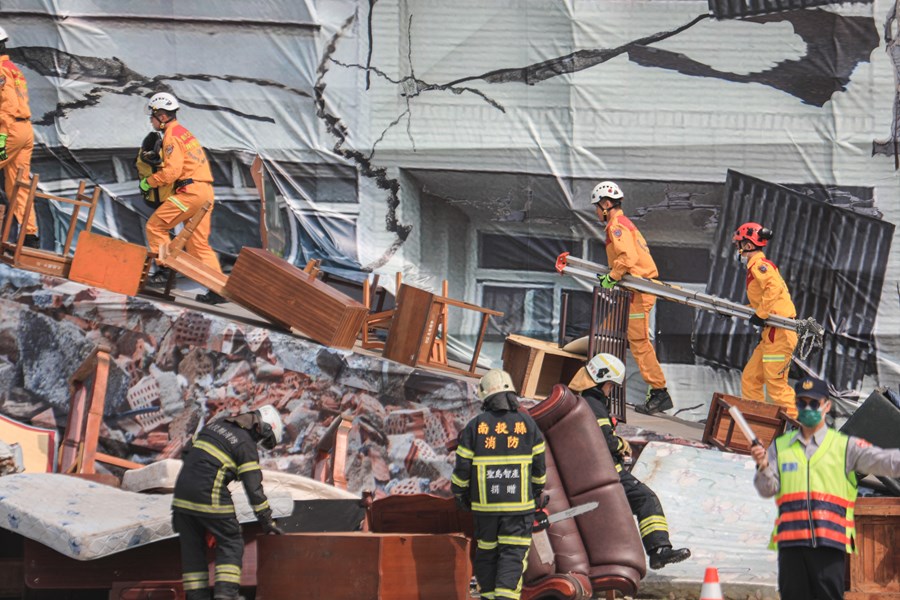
739, 255
744, 259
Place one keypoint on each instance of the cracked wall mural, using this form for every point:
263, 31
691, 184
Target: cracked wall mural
461, 141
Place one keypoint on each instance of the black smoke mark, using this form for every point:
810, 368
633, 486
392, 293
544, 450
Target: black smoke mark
114, 77
378, 174
835, 46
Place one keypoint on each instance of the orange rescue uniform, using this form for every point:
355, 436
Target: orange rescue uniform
627, 252
183, 158
15, 122
768, 365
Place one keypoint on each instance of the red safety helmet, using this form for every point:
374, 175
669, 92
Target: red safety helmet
754, 233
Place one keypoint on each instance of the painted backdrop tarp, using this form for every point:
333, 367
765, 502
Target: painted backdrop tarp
461, 140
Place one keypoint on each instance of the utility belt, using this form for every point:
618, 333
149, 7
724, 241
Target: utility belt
22, 119
183, 183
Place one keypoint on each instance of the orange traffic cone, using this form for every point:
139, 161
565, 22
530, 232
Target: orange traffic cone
711, 590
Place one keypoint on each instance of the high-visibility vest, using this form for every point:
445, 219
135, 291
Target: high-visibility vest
816, 497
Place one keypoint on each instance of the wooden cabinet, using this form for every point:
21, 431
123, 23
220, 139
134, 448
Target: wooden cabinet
371, 566
281, 292
536, 366
875, 567
768, 421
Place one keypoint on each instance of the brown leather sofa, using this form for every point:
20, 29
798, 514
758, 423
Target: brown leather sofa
604, 544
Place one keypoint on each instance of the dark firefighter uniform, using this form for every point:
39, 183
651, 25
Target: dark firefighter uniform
644, 503
221, 452
499, 471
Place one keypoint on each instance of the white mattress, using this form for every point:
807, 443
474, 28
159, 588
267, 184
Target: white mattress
161, 476
713, 509
86, 520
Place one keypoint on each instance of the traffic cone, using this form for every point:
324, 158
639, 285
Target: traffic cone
711, 590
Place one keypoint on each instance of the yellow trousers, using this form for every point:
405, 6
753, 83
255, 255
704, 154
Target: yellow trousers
768, 366
179, 208
19, 148
639, 339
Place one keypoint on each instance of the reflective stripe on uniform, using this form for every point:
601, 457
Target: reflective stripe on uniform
651, 524
247, 467
773, 358
228, 573
216, 452
485, 545
224, 509
464, 452
513, 540
181, 205
463, 483
196, 580
636, 315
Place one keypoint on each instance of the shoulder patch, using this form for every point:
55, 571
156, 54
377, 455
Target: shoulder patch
861, 443
617, 232
169, 149
762, 268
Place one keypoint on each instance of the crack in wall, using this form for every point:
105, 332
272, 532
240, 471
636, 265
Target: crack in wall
115, 77
339, 130
836, 45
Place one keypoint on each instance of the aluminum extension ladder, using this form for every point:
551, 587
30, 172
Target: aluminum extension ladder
810, 334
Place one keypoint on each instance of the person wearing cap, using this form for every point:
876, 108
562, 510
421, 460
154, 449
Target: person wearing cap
627, 253
221, 452
499, 473
811, 472
16, 138
185, 168
595, 383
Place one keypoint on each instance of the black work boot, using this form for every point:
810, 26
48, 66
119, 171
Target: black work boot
161, 277
667, 555
658, 400
227, 591
210, 297
32, 241
204, 594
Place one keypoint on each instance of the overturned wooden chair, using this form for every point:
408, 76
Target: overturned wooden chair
174, 256
45, 261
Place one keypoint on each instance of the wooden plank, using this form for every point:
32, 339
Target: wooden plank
95, 414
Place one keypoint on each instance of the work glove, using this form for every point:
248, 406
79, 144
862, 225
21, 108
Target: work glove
757, 320
625, 450
607, 282
463, 502
145, 187
3, 155
268, 523
541, 520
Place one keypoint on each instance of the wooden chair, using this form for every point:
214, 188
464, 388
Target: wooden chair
378, 320
416, 327
78, 450
43, 261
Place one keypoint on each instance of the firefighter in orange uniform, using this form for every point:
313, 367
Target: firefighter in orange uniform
16, 137
768, 294
184, 166
627, 253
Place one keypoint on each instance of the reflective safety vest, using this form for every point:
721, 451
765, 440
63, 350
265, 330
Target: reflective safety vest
816, 497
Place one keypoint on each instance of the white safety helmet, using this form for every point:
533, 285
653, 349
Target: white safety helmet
606, 189
606, 367
162, 101
3, 35
271, 426
494, 382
